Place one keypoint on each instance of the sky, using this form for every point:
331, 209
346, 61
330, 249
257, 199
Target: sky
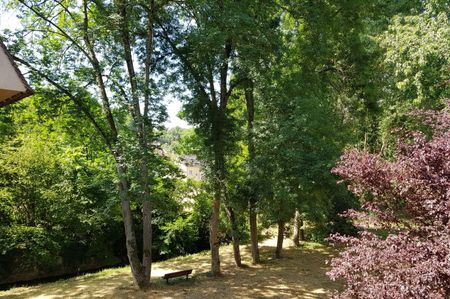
173, 106
8, 20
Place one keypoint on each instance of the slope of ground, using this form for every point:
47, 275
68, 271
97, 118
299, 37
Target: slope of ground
299, 274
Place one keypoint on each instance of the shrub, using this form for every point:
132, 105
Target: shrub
408, 198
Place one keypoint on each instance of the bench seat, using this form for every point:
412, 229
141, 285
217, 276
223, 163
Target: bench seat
177, 274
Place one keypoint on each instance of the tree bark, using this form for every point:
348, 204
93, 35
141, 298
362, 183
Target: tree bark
131, 244
254, 235
147, 239
249, 99
299, 234
218, 184
302, 231
214, 233
234, 235
280, 239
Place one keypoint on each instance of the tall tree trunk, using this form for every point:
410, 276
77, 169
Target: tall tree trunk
302, 231
299, 234
280, 239
147, 205
218, 115
214, 241
141, 134
131, 244
234, 235
249, 99
254, 234
219, 183
146, 202
147, 239
214, 233
219, 189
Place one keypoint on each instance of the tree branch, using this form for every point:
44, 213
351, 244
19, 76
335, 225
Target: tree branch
76, 100
64, 33
197, 78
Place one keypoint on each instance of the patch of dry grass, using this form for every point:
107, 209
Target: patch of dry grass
299, 274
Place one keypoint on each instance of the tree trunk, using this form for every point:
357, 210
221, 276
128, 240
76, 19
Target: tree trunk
214, 233
141, 134
280, 239
299, 234
131, 245
234, 235
251, 156
137, 270
146, 206
218, 114
147, 239
302, 231
254, 235
218, 191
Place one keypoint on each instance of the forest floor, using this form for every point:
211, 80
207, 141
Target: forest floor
299, 274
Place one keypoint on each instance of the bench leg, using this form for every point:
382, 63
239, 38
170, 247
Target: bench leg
167, 281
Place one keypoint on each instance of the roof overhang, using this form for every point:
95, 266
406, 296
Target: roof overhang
13, 86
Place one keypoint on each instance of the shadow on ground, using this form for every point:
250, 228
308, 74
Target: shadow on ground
299, 274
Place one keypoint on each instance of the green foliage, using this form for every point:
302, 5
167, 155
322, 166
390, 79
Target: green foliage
58, 204
55, 193
324, 75
300, 128
179, 141
187, 233
415, 60
34, 246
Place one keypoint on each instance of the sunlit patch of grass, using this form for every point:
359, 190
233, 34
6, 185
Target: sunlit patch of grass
185, 258
106, 273
312, 245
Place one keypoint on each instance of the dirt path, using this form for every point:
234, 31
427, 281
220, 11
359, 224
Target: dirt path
299, 274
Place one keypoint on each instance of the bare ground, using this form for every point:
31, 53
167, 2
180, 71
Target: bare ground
299, 274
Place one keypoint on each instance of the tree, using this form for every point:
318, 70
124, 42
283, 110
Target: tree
415, 56
90, 74
299, 232
300, 123
407, 198
252, 196
208, 51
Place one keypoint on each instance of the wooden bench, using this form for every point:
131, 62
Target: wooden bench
177, 274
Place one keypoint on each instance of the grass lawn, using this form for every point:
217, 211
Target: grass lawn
299, 274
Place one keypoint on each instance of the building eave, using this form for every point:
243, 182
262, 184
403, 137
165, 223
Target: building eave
20, 95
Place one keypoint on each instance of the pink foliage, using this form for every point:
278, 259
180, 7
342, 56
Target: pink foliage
409, 199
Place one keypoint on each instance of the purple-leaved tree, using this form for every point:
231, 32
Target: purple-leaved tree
407, 201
